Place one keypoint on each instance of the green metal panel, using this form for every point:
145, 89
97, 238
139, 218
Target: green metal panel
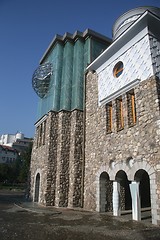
78, 75
97, 48
52, 100
87, 52
66, 83
57, 73
69, 62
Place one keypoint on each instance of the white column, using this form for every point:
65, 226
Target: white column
136, 206
116, 199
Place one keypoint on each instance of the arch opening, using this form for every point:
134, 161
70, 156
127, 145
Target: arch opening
37, 186
106, 190
125, 194
142, 177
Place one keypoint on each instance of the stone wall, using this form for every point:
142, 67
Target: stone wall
77, 164
64, 126
59, 160
52, 158
139, 142
39, 164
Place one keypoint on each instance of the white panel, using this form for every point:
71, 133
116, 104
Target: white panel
137, 65
155, 51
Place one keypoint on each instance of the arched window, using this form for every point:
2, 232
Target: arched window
37, 185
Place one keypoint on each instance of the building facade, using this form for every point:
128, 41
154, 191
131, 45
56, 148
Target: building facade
122, 119
17, 141
57, 162
7, 154
105, 155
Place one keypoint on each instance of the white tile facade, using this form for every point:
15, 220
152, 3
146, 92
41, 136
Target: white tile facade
155, 51
137, 62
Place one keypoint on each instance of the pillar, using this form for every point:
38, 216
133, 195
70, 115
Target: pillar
116, 199
136, 206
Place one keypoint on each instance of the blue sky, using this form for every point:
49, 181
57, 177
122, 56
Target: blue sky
26, 29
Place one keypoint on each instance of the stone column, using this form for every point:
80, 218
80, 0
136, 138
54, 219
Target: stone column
63, 150
136, 206
75, 160
116, 199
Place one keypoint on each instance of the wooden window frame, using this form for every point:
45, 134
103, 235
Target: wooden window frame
109, 114
131, 106
119, 114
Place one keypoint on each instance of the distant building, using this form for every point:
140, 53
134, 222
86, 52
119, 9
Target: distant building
16, 141
7, 154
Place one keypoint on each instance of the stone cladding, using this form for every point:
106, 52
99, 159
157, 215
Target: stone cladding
59, 161
140, 142
67, 181
39, 164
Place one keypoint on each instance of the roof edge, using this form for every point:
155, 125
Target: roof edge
73, 37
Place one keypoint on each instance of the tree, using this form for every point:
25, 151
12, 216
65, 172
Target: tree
25, 157
4, 172
17, 171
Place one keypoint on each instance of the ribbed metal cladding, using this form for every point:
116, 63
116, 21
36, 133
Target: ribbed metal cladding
66, 84
77, 80
69, 56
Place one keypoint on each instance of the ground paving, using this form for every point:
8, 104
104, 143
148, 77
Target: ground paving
21, 220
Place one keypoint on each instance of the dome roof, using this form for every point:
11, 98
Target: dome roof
128, 18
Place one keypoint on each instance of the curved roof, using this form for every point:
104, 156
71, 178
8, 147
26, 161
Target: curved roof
128, 18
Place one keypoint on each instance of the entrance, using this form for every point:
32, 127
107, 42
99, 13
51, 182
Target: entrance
37, 185
125, 195
144, 187
106, 190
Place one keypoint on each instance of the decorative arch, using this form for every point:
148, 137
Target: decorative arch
105, 186
37, 185
130, 168
116, 167
101, 170
142, 165
142, 177
125, 195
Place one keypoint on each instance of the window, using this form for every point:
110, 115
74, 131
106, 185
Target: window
131, 108
109, 117
118, 69
119, 114
37, 137
41, 132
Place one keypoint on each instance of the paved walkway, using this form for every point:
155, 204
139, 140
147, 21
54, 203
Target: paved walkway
30, 221
37, 208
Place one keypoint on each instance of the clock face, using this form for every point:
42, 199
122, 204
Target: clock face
41, 79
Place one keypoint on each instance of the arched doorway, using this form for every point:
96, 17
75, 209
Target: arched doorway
106, 190
125, 195
37, 185
142, 177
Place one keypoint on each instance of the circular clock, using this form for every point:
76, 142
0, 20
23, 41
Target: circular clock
41, 79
